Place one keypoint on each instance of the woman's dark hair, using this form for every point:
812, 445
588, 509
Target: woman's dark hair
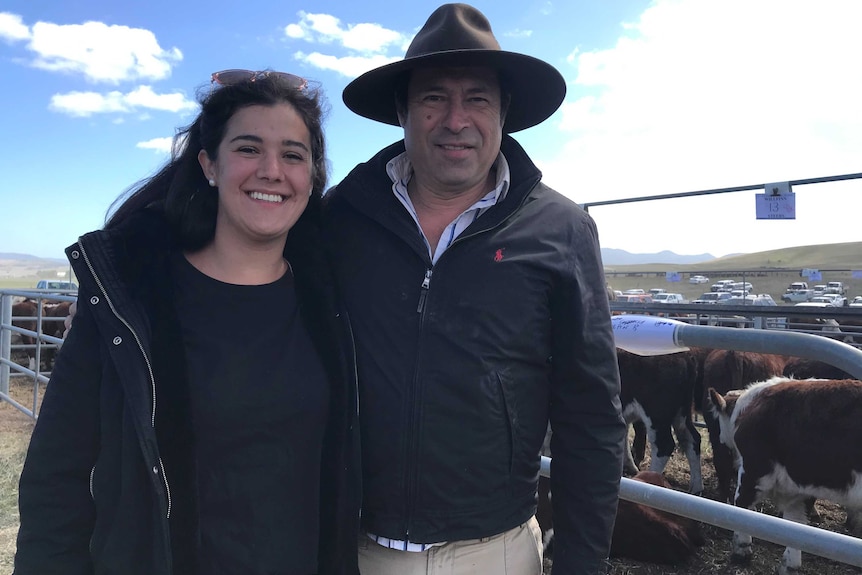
181, 188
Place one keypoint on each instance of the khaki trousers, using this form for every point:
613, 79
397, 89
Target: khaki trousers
514, 552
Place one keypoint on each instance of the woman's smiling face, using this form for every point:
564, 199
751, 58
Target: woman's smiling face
263, 174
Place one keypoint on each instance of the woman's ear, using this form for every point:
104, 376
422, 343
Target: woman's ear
207, 165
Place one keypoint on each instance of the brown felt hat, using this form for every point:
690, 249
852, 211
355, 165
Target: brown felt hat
458, 35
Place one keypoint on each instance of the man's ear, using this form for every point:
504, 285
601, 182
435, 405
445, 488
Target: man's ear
504, 108
402, 114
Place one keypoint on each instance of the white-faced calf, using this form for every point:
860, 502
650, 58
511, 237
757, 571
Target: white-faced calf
794, 440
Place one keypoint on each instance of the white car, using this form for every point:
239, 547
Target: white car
833, 300
857, 301
712, 297
668, 298
698, 280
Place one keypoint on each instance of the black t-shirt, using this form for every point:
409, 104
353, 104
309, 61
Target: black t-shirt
259, 401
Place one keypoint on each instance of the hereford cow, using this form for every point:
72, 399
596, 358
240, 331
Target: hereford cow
804, 368
26, 308
640, 532
725, 370
794, 440
658, 391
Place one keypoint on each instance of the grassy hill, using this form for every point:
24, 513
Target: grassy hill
827, 256
769, 272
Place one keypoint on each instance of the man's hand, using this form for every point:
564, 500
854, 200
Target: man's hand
67, 323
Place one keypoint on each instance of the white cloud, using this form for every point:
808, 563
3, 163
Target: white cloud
518, 33
349, 66
365, 45
162, 145
704, 94
83, 104
327, 29
99, 52
294, 31
145, 97
12, 27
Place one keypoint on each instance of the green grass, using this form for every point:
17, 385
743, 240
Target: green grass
18, 283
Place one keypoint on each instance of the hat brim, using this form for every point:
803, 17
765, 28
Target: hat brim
536, 88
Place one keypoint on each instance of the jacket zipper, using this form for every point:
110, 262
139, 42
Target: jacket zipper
146, 360
413, 470
413, 442
423, 291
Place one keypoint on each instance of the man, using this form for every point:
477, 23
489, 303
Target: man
477, 299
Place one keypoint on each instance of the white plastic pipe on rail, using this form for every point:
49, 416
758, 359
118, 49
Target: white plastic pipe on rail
650, 335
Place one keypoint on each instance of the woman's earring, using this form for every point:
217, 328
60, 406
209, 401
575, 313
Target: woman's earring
212, 183
310, 191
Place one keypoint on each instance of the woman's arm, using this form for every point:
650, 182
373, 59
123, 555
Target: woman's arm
56, 508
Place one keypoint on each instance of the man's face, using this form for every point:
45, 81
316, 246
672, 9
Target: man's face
453, 127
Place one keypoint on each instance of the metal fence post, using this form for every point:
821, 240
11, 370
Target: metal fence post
5, 342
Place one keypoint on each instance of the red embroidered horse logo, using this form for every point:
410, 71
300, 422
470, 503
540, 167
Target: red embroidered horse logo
498, 256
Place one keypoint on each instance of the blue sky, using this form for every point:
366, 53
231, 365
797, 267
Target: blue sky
663, 96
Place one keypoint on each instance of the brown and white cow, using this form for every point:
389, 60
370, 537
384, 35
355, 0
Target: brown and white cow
725, 370
794, 440
659, 391
25, 308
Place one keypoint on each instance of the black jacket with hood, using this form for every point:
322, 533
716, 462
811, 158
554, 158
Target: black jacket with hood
107, 486
462, 363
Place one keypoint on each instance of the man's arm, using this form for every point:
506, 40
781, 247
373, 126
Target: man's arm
588, 429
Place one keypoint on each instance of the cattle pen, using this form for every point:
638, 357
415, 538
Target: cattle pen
758, 335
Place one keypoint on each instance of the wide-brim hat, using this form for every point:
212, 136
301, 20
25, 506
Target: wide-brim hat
458, 35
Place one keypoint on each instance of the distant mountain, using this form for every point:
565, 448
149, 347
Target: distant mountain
615, 257
32, 260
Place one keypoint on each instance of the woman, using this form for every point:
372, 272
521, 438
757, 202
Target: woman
201, 417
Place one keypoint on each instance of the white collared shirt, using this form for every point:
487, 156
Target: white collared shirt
400, 171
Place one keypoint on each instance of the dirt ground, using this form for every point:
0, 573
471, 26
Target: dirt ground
713, 557
15, 430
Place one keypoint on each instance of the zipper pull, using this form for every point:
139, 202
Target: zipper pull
426, 283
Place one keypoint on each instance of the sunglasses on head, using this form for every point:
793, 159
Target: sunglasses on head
233, 77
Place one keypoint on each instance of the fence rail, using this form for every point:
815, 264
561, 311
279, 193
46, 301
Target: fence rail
43, 342
768, 339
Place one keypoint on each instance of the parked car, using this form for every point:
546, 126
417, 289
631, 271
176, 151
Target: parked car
722, 285
56, 286
819, 289
668, 298
750, 299
797, 296
857, 301
712, 297
698, 279
833, 300
634, 291
744, 286
797, 286
837, 286
655, 291
813, 303
635, 298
